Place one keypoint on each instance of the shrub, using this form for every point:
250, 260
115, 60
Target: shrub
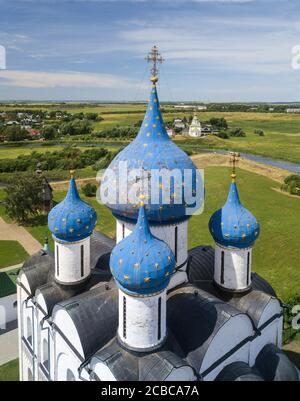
259, 132
237, 132
89, 189
223, 135
292, 184
218, 123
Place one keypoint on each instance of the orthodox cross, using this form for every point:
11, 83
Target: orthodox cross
234, 158
155, 58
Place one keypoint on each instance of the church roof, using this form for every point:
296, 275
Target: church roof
233, 225
141, 263
153, 150
72, 219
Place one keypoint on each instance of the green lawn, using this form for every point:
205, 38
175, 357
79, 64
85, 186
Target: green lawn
11, 253
10, 371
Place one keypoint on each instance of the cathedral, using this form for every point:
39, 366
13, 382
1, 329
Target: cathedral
144, 307
195, 129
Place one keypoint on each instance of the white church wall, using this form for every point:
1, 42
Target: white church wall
24, 355
272, 333
8, 310
66, 325
45, 346
232, 270
176, 236
65, 360
28, 340
184, 373
72, 261
241, 355
67, 366
140, 325
103, 372
235, 330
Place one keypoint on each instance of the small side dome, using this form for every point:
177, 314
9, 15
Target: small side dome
141, 263
233, 225
72, 219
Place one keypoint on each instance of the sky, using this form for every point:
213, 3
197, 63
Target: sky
214, 50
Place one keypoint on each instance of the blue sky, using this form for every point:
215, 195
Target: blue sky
215, 50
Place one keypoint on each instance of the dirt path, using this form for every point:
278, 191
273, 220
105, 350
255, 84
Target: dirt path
62, 185
214, 159
14, 232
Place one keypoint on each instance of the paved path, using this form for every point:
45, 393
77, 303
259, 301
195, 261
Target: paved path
9, 343
8, 268
17, 233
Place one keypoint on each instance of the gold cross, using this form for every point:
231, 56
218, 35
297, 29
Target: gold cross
234, 158
154, 57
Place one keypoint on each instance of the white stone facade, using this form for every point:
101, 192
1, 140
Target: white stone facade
233, 268
142, 320
72, 261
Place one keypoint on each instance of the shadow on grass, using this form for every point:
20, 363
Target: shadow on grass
39, 220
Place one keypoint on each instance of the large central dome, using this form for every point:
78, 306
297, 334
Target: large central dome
153, 152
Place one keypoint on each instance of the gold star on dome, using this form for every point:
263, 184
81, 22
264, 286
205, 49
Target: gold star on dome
147, 279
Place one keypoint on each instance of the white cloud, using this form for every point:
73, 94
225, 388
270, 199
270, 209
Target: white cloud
33, 79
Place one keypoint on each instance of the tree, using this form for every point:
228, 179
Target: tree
15, 133
49, 132
93, 117
89, 189
237, 132
223, 135
219, 123
24, 198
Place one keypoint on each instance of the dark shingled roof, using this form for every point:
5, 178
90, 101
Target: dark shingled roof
238, 371
39, 271
95, 316
201, 269
127, 365
274, 365
195, 317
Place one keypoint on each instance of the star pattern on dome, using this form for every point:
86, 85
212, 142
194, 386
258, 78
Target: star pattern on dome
72, 219
149, 267
233, 225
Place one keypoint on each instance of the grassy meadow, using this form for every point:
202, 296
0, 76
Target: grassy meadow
281, 140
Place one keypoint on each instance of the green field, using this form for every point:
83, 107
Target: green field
281, 140
10, 371
11, 253
276, 254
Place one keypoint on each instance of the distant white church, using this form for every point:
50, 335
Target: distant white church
195, 129
144, 307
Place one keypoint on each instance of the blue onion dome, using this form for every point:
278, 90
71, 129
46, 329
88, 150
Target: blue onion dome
233, 225
153, 150
72, 219
141, 263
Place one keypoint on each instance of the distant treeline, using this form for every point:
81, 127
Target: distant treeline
65, 159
